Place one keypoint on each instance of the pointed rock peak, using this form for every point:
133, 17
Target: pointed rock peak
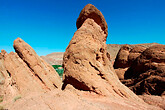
3, 52
18, 39
90, 11
45, 72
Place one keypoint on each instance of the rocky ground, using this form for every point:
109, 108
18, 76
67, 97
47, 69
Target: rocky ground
90, 82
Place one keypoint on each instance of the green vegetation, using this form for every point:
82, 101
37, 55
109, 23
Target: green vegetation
16, 98
59, 69
1, 98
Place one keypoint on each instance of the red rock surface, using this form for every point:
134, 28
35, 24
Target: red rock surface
87, 67
148, 72
121, 60
41, 69
90, 81
24, 72
154, 100
90, 11
73, 100
23, 77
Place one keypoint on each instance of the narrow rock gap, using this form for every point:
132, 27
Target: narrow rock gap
55, 86
75, 83
8, 73
39, 78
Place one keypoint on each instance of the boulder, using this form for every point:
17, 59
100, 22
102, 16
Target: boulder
45, 72
125, 57
90, 11
153, 58
148, 72
121, 60
134, 53
120, 72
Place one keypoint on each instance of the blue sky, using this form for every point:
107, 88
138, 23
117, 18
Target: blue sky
49, 25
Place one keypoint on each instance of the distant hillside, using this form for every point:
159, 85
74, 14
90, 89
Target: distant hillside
56, 58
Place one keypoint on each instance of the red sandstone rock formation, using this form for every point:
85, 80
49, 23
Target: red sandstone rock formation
23, 77
148, 72
45, 72
121, 60
24, 72
90, 11
87, 67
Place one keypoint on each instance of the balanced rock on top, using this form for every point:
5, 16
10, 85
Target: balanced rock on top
90, 11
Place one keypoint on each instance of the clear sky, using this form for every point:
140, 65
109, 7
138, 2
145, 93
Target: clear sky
49, 25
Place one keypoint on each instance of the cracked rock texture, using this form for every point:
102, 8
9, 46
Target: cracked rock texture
24, 72
148, 72
45, 72
87, 66
90, 11
90, 82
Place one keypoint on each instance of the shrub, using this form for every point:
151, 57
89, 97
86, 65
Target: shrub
59, 71
16, 98
1, 98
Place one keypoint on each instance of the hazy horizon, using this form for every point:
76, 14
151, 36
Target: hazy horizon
49, 25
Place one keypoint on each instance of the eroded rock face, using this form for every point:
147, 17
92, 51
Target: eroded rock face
39, 67
86, 65
134, 53
125, 57
121, 60
24, 72
23, 77
148, 72
90, 11
7, 87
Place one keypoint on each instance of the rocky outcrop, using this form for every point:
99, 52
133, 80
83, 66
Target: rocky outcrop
23, 77
8, 89
90, 11
148, 72
24, 72
87, 67
121, 60
125, 57
89, 81
45, 72
134, 53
